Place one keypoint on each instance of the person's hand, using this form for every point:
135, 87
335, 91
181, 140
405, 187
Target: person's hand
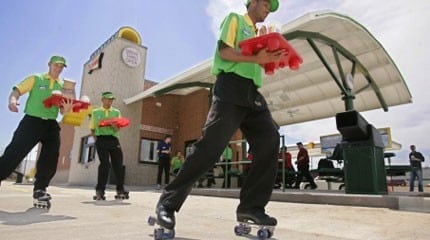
67, 105
115, 127
13, 106
264, 56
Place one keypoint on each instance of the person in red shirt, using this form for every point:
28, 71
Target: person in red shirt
290, 172
303, 167
287, 160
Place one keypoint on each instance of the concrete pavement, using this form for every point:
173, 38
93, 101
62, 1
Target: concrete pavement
74, 215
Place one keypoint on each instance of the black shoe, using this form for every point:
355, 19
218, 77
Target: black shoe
258, 217
41, 195
100, 195
165, 217
122, 194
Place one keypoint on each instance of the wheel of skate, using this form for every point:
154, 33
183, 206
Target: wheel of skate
151, 221
246, 229
270, 234
158, 234
238, 230
263, 234
170, 234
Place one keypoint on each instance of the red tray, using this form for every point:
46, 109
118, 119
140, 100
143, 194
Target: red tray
118, 121
273, 41
55, 100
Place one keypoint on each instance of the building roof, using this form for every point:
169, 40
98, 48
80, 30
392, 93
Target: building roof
336, 52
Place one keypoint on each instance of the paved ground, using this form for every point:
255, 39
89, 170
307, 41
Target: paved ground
75, 216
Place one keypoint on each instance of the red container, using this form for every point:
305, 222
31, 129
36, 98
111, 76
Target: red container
273, 41
55, 100
120, 122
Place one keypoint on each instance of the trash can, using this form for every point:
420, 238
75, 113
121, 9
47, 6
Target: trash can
19, 177
363, 155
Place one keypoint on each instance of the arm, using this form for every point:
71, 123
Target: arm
263, 56
93, 134
13, 100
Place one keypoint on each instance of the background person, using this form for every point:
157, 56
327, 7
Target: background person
415, 159
164, 149
108, 147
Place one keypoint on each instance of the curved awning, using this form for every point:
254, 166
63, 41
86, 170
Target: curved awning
332, 46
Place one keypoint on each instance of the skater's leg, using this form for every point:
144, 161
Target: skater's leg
263, 137
223, 120
25, 137
46, 165
104, 166
116, 158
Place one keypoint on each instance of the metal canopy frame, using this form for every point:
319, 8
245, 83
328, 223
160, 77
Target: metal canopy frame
348, 95
181, 86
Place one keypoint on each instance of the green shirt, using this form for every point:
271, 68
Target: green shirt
39, 87
176, 163
234, 29
227, 154
100, 114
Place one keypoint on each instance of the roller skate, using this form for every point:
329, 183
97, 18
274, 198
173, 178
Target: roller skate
122, 194
165, 220
41, 199
100, 195
260, 220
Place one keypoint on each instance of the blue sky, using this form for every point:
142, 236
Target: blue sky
182, 33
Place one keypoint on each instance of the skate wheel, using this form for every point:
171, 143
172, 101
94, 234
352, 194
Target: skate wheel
270, 234
238, 230
246, 229
158, 234
263, 234
151, 221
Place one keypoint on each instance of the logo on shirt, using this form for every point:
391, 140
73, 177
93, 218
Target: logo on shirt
43, 87
247, 32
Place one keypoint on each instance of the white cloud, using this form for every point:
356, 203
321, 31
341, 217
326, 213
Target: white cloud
401, 27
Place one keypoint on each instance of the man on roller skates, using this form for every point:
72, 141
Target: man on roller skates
39, 124
236, 104
108, 146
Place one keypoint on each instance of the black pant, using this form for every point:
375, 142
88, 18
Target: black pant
303, 171
109, 147
30, 131
163, 166
226, 173
223, 120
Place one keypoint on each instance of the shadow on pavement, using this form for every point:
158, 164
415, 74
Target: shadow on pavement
30, 216
176, 238
107, 203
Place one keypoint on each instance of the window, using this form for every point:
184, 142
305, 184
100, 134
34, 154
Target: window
148, 150
88, 150
189, 147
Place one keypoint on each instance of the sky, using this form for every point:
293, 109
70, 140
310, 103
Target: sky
180, 34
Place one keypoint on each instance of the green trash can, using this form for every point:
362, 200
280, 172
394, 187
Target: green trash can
363, 155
